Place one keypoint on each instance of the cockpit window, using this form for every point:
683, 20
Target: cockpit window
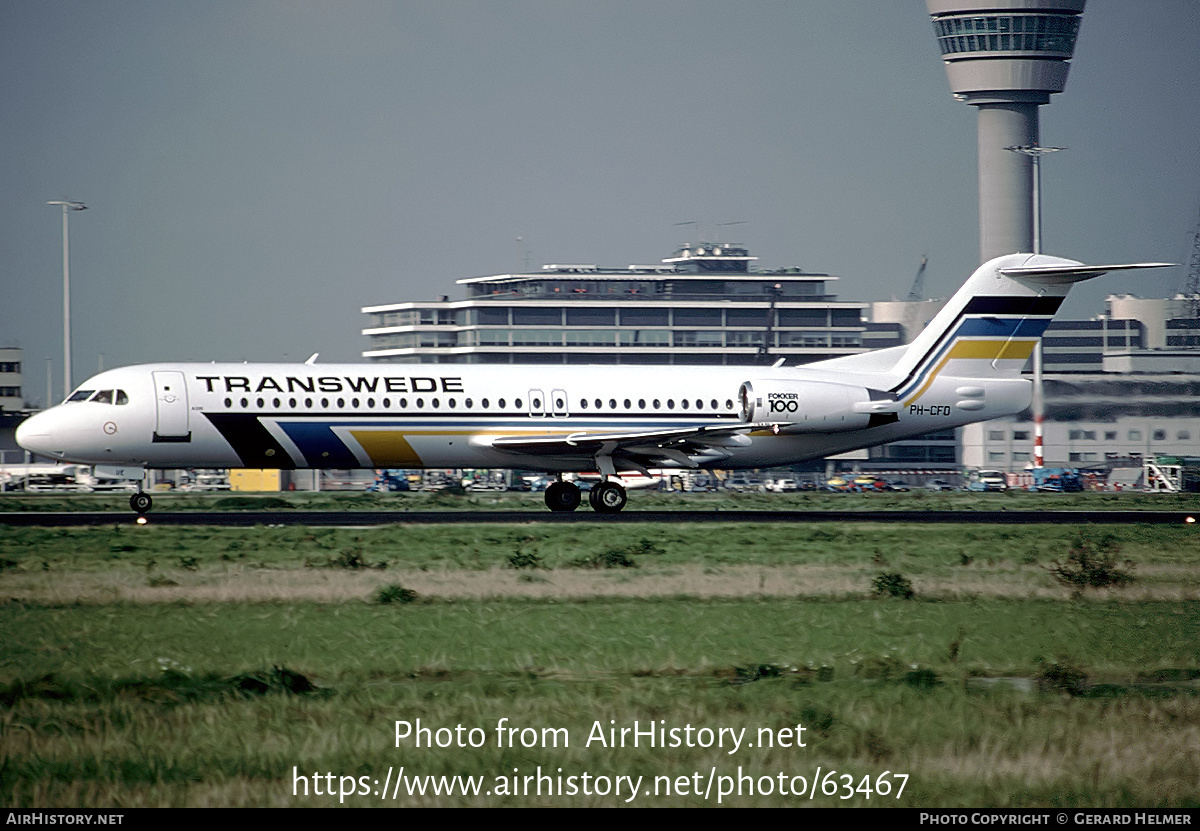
101, 397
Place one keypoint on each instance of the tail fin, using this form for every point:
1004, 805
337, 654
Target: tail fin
990, 327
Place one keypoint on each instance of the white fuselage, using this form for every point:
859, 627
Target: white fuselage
431, 416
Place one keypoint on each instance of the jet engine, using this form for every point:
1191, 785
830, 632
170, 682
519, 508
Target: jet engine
813, 406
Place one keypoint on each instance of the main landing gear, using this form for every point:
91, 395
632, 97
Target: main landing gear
605, 497
140, 502
562, 496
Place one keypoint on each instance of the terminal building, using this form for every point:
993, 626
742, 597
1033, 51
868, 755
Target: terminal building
703, 305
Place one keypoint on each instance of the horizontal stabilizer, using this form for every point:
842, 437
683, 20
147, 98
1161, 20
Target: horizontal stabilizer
1061, 274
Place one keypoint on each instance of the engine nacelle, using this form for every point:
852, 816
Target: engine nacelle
809, 406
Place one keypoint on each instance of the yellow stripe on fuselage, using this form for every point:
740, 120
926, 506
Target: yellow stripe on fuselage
987, 350
387, 448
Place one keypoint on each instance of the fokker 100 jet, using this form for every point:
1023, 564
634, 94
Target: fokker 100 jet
964, 367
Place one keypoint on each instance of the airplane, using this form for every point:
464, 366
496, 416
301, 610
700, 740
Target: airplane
964, 367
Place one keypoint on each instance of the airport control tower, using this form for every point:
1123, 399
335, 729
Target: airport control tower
1006, 57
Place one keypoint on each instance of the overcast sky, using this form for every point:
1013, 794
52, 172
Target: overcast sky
256, 172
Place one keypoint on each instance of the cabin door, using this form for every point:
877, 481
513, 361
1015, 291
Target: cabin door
170, 407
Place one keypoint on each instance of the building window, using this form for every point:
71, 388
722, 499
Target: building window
995, 435
697, 317
1160, 435
1135, 435
1183, 435
1110, 435
643, 317
1020, 435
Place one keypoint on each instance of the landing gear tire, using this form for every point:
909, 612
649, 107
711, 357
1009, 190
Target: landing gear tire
607, 498
141, 502
563, 496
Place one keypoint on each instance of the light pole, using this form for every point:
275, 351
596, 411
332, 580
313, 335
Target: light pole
1035, 152
67, 206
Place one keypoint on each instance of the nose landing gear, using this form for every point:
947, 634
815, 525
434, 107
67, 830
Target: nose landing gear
140, 503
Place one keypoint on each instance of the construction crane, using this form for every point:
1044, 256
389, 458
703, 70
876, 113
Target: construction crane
917, 292
1191, 288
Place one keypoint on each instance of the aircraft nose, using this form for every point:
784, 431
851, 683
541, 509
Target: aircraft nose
36, 435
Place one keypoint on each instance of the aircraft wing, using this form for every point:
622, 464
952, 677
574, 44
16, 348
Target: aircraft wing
638, 447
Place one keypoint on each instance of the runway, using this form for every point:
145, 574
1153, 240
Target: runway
242, 519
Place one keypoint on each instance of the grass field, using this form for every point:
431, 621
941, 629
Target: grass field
206, 666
